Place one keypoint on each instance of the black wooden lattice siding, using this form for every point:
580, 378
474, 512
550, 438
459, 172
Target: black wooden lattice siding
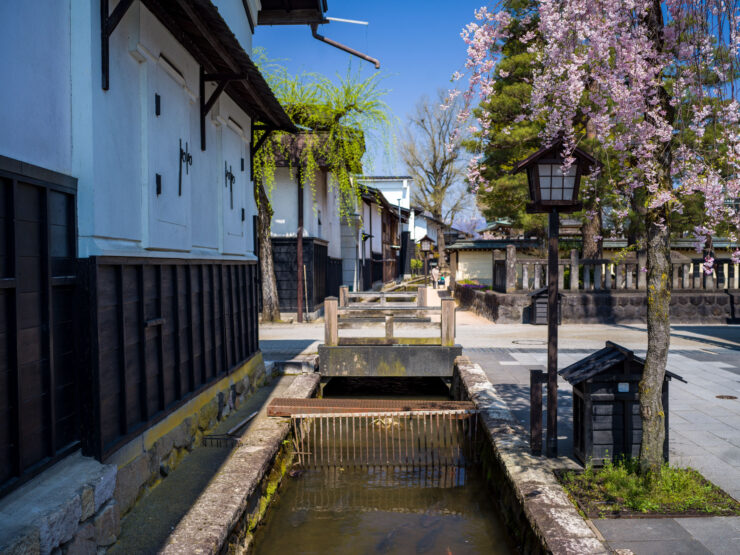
161, 331
39, 417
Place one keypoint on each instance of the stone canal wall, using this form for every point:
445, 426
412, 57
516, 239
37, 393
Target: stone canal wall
533, 505
617, 307
76, 506
236, 499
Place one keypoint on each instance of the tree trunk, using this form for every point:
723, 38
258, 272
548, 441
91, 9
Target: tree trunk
441, 247
659, 328
590, 229
658, 292
270, 301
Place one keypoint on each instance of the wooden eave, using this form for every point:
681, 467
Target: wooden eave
292, 12
199, 27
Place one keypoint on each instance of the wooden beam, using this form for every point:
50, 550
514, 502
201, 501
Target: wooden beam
291, 17
218, 47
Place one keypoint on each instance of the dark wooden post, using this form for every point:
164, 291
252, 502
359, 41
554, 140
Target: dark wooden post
552, 335
536, 377
299, 247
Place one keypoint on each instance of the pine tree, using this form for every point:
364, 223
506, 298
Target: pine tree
509, 140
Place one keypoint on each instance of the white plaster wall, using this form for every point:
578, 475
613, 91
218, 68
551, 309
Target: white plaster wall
119, 145
377, 228
333, 224
366, 229
35, 95
475, 265
284, 200
393, 190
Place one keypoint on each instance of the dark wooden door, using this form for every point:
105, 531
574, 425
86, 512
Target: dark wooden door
39, 418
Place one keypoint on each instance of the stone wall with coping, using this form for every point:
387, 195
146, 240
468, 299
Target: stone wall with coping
534, 506
76, 506
616, 307
147, 460
67, 509
226, 512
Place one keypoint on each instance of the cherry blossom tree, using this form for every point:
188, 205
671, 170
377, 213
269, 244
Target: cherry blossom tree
657, 83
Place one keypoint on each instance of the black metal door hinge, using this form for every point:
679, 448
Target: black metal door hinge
187, 159
230, 178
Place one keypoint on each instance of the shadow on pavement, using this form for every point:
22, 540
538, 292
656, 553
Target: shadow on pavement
283, 349
517, 397
726, 337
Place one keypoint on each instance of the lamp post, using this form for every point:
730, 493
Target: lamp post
426, 246
553, 191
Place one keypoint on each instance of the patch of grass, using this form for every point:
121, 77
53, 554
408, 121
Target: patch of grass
618, 489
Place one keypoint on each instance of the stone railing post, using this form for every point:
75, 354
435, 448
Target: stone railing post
343, 295
597, 276
510, 268
686, 276
641, 275
573, 270
448, 322
331, 324
389, 329
421, 296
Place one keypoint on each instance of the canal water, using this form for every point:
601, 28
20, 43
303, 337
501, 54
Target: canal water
376, 510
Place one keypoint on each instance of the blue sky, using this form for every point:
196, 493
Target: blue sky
417, 42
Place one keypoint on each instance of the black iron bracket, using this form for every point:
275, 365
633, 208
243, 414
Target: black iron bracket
230, 178
187, 159
108, 24
221, 80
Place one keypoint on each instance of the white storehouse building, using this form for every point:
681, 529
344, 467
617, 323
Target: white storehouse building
128, 275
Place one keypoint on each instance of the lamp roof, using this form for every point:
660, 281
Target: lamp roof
554, 151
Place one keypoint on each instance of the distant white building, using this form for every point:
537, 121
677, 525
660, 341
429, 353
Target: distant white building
316, 208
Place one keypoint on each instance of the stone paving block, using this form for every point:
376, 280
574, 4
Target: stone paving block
639, 529
663, 547
721, 535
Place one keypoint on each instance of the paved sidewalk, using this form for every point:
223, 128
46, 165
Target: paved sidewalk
704, 430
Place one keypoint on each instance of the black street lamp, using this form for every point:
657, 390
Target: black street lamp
553, 191
426, 243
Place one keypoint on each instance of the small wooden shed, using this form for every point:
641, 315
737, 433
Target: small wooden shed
606, 404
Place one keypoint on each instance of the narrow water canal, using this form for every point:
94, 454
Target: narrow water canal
444, 511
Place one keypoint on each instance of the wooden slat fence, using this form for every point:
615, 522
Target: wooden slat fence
160, 332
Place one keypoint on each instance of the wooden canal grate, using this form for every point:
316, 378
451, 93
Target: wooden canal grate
381, 432
282, 406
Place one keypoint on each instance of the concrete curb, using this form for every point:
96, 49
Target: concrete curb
532, 498
220, 508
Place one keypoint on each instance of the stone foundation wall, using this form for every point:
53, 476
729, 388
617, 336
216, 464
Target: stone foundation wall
148, 459
67, 509
224, 516
76, 506
622, 307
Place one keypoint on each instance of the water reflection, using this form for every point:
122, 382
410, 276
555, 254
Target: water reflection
445, 510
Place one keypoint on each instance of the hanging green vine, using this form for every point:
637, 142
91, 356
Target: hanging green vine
336, 121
